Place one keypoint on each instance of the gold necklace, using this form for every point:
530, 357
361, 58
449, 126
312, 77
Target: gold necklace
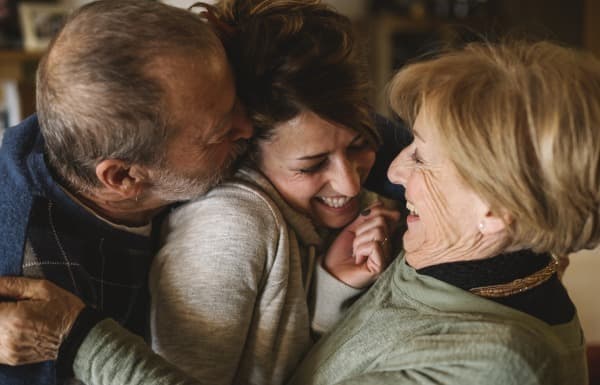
518, 285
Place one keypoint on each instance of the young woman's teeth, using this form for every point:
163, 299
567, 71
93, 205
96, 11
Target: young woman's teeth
412, 209
336, 203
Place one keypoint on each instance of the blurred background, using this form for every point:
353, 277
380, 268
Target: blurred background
392, 32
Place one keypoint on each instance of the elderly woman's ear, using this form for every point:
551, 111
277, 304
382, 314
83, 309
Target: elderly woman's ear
495, 223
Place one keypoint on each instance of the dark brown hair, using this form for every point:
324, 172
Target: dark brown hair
291, 56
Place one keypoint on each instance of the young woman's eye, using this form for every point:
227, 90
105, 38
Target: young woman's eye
314, 168
360, 145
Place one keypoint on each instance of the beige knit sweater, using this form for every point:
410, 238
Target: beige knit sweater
236, 288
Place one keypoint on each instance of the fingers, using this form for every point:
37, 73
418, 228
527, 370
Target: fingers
361, 251
33, 325
364, 216
374, 230
19, 287
373, 253
380, 213
21, 341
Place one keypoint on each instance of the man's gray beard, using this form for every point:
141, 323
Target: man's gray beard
171, 187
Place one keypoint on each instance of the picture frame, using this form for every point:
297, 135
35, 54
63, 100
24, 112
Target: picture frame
39, 23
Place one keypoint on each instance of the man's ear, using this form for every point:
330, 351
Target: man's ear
121, 178
494, 223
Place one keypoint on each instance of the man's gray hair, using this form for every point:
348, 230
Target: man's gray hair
97, 96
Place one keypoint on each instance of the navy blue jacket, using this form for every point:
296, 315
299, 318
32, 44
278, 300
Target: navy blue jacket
64, 243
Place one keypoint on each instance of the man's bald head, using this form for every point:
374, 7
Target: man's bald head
97, 94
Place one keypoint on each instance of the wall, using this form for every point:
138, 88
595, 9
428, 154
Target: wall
583, 276
583, 282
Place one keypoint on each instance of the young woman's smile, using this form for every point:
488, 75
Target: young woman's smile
318, 167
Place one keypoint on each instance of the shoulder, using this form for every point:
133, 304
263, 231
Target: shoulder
235, 203
234, 225
21, 140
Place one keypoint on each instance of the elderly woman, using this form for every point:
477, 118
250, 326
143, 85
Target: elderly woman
505, 158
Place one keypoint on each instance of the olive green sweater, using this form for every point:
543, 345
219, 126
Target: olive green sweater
414, 329
408, 329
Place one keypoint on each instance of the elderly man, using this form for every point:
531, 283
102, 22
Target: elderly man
136, 110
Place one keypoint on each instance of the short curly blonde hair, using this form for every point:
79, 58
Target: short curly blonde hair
521, 123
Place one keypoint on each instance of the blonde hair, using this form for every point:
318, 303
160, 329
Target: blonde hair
521, 123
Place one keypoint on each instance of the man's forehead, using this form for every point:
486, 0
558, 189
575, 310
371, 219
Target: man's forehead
214, 113
221, 122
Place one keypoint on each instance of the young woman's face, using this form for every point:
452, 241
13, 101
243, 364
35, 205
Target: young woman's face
318, 167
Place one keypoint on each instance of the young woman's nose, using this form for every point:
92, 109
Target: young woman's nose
346, 179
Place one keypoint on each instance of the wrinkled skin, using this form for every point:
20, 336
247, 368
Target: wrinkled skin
34, 324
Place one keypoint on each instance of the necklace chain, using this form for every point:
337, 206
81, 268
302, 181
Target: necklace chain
518, 285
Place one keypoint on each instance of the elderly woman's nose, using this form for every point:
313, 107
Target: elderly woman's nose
346, 179
399, 169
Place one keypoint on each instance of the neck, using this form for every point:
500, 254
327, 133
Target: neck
125, 212
482, 247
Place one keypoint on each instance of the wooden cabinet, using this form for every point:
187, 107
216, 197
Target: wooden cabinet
19, 67
394, 40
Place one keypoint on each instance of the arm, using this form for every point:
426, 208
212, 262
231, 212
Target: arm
39, 316
331, 299
112, 355
205, 282
358, 255
501, 367
448, 375
450, 359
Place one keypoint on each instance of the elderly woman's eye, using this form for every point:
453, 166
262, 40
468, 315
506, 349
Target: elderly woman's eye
415, 157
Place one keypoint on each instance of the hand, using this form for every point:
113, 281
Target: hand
361, 252
35, 316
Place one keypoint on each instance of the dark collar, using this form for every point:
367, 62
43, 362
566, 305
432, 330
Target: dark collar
500, 269
548, 302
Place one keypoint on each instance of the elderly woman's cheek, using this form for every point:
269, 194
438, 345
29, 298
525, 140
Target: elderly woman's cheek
446, 211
